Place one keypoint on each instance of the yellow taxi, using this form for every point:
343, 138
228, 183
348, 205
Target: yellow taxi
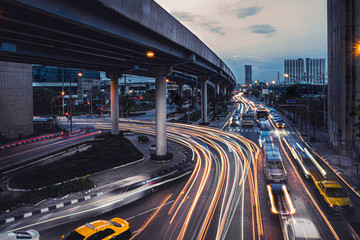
333, 196
115, 229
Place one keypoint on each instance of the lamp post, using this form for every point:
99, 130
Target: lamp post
62, 90
324, 102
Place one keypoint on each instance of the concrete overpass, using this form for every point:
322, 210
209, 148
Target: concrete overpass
113, 36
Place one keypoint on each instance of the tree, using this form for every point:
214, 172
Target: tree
98, 97
46, 101
255, 92
316, 117
149, 96
356, 112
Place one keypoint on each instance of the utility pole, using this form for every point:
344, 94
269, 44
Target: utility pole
308, 103
62, 91
70, 115
324, 102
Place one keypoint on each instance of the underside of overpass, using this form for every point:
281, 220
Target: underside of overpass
111, 36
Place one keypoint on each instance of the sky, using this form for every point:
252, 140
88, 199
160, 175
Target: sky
261, 33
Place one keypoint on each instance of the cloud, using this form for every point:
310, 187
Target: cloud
262, 29
204, 22
184, 16
249, 11
212, 26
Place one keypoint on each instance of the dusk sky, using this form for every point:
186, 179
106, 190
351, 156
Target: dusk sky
261, 33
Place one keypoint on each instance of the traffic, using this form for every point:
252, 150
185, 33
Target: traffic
255, 168
285, 151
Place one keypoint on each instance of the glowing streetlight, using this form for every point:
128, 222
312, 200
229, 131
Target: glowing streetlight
150, 54
267, 83
167, 80
286, 75
255, 82
63, 93
273, 82
80, 74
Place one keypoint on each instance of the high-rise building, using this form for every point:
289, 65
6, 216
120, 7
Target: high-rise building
312, 71
295, 69
58, 79
248, 75
315, 70
343, 72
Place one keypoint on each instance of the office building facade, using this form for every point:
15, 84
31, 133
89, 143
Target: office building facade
67, 79
310, 71
248, 75
343, 72
315, 70
295, 69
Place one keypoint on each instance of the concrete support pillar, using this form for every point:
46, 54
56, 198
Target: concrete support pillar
160, 74
204, 79
217, 88
114, 91
180, 89
16, 100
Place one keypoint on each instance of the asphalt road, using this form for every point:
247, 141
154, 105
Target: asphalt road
224, 198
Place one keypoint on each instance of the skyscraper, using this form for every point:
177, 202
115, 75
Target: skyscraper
343, 71
315, 70
248, 75
295, 69
312, 73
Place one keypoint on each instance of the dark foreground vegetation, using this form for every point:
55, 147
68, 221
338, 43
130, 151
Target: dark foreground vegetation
70, 174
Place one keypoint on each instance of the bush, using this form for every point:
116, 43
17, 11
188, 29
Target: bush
52, 191
107, 152
3, 139
165, 157
143, 139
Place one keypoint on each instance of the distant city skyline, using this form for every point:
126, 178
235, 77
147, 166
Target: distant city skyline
259, 33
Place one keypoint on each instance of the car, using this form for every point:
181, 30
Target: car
279, 200
275, 119
115, 229
247, 120
234, 121
300, 228
279, 124
334, 198
274, 115
265, 126
29, 234
274, 169
264, 139
260, 120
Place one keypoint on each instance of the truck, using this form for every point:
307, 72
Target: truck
247, 120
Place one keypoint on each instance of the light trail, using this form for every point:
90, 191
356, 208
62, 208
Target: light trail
210, 147
308, 192
151, 218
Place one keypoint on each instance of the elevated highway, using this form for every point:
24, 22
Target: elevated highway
115, 37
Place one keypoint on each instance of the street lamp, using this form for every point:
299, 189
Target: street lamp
150, 54
324, 103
